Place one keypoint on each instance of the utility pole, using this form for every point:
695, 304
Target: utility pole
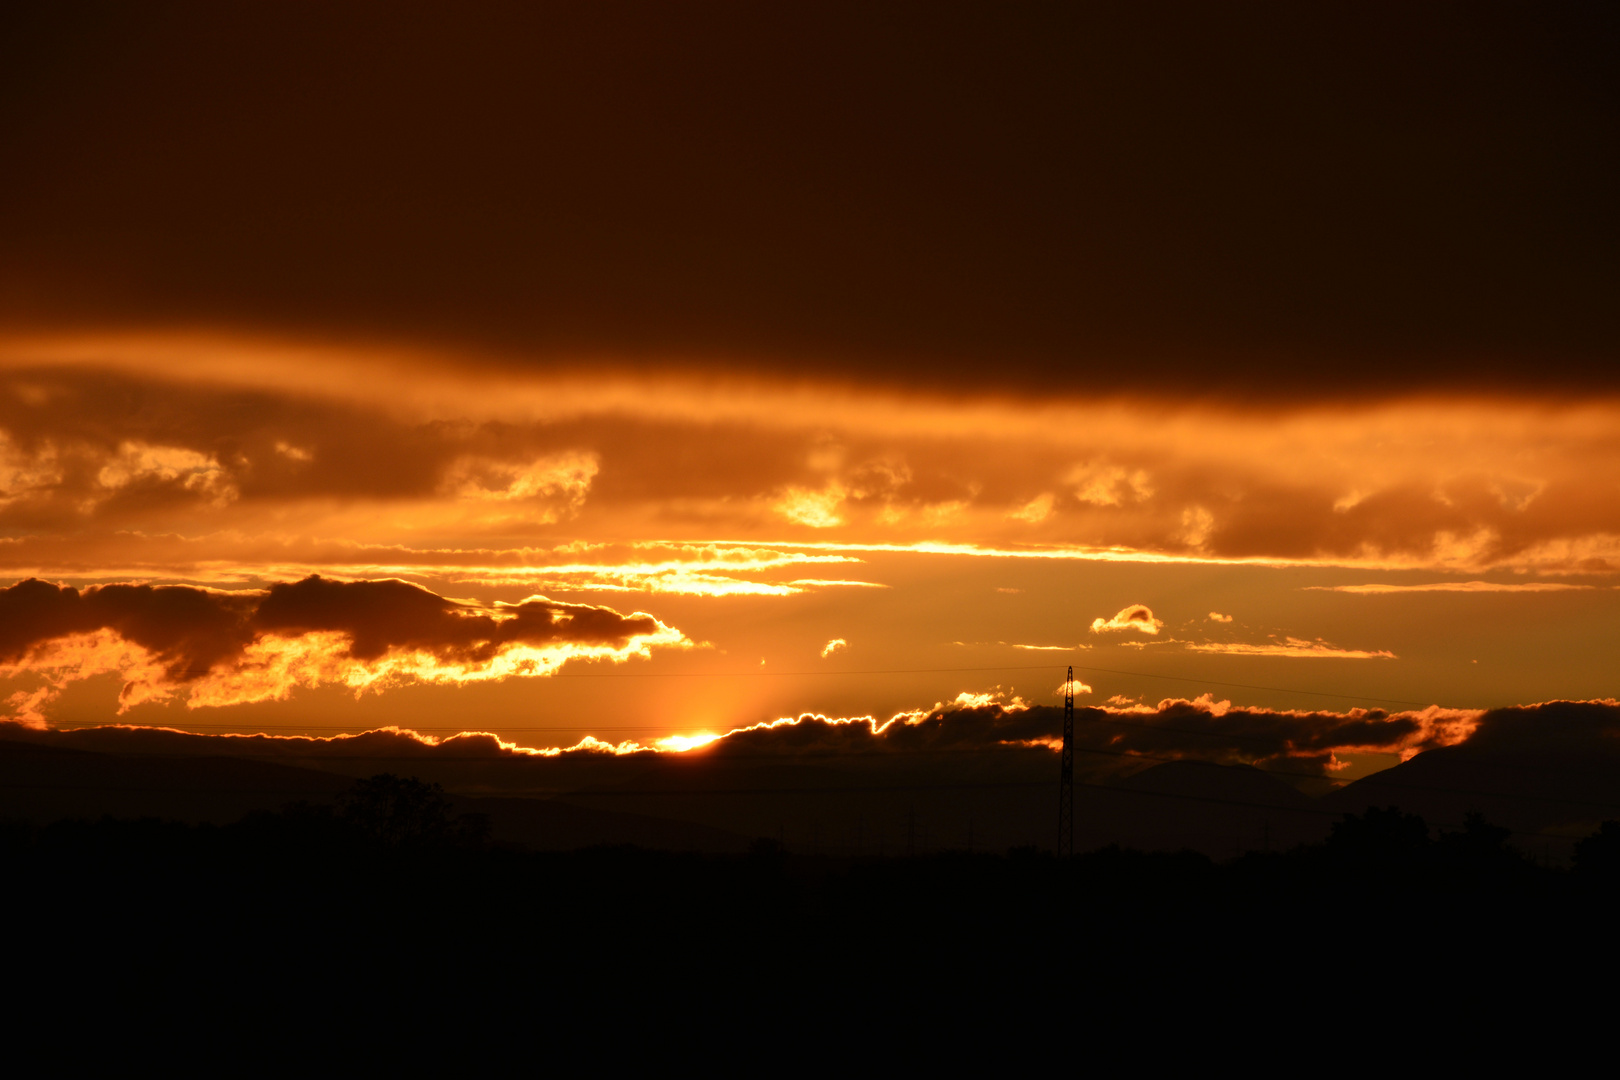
1065, 845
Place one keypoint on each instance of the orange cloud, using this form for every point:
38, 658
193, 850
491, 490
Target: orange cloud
1453, 586
217, 648
1110, 737
233, 442
1295, 647
1137, 617
1202, 729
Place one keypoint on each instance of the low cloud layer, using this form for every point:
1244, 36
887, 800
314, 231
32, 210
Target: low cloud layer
1119, 737
215, 647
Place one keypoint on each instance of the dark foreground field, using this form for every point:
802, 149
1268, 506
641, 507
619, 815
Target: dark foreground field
388, 913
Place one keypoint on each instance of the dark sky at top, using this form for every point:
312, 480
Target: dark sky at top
1240, 199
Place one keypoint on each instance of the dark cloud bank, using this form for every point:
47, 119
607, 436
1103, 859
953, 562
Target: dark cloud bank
192, 631
1256, 198
1178, 775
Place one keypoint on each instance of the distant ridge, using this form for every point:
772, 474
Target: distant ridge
42, 784
1551, 780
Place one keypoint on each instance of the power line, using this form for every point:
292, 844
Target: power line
1065, 844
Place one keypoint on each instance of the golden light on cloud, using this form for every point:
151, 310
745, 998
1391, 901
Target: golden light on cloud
1426, 483
817, 509
138, 462
1454, 587
1292, 647
241, 464
611, 436
1138, 617
213, 648
1102, 484
565, 477
1036, 510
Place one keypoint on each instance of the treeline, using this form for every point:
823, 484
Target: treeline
388, 821
387, 890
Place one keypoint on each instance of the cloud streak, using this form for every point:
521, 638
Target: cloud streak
1453, 587
1291, 647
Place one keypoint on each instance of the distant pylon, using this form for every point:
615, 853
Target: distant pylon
1065, 844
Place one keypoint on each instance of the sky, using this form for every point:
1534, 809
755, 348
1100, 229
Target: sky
640, 372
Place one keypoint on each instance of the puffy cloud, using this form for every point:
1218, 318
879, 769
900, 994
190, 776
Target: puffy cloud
1137, 617
1587, 731
142, 464
218, 647
560, 479
1216, 616
1197, 523
1102, 484
24, 474
1036, 510
186, 630
835, 645
817, 509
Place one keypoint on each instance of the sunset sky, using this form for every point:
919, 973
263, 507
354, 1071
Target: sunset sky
634, 371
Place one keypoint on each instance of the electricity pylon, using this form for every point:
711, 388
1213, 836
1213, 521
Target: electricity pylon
1065, 844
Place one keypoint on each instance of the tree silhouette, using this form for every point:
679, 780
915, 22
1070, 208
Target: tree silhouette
1380, 837
1597, 858
1479, 843
392, 812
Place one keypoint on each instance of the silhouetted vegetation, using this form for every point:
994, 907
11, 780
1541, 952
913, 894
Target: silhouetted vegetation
1597, 857
387, 894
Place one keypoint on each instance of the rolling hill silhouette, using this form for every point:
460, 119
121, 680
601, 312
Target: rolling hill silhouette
1549, 773
43, 784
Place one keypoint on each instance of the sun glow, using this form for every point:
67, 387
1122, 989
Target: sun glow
682, 743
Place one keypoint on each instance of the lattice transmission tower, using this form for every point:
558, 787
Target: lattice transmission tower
1065, 844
